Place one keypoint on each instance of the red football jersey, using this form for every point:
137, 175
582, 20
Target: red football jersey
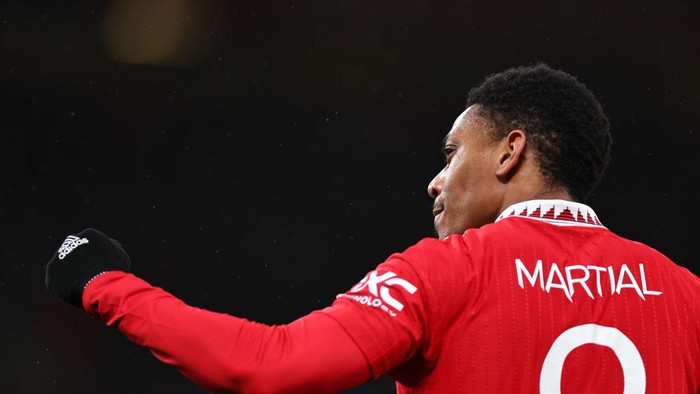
546, 299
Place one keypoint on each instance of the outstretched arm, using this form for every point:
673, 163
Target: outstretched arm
224, 353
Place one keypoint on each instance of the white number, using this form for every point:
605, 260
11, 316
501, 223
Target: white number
628, 355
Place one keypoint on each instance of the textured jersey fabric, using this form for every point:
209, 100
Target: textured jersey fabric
546, 299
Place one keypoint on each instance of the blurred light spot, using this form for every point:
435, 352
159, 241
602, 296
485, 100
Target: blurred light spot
166, 32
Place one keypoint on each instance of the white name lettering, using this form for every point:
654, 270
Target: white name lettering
584, 277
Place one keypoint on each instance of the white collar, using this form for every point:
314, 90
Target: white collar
558, 212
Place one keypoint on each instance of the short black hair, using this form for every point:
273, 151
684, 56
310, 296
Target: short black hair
560, 116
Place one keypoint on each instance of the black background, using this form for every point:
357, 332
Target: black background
285, 150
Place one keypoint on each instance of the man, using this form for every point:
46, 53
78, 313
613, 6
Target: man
523, 290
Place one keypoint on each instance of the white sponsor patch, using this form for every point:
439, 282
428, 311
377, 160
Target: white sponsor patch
379, 287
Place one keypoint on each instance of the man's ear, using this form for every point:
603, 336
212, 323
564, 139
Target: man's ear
512, 154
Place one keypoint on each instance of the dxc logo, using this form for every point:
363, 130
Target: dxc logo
379, 286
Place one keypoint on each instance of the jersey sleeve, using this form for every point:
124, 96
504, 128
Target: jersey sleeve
224, 353
398, 312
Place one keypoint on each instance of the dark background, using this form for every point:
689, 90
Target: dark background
258, 158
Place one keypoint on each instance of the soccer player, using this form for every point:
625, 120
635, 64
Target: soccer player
524, 289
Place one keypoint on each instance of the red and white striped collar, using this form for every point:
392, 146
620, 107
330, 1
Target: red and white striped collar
558, 212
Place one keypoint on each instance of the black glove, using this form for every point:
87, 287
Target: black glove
80, 258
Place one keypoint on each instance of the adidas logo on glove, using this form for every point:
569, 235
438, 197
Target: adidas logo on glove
69, 244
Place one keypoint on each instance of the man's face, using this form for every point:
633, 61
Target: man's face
467, 192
